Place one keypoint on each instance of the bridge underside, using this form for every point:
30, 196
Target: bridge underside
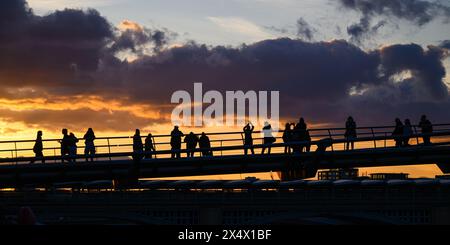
291, 166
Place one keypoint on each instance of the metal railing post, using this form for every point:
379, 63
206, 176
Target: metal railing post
15, 149
417, 137
329, 134
373, 136
109, 149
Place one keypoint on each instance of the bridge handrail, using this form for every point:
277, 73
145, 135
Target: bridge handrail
228, 148
222, 133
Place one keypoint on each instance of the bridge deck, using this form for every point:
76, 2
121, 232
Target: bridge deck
373, 149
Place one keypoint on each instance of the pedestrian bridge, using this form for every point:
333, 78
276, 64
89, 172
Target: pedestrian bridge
374, 147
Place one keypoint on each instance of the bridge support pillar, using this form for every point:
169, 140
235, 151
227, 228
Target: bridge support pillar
296, 171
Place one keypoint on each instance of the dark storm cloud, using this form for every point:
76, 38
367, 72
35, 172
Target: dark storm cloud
304, 30
419, 12
78, 120
323, 81
137, 40
445, 44
51, 49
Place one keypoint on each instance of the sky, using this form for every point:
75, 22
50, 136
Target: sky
113, 64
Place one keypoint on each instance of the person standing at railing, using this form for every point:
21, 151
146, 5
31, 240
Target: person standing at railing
268, 138
427, 128
407, 132
191, 141
149, 146
350, 133
248, 138
65, 142
398, 133
175, 142
205, 144
89, 147
73, 140
299, 134
38, 148
287, 138
308, 140
138, 147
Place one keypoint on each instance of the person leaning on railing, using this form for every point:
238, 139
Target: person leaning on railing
407, 132
427, 129
205, 144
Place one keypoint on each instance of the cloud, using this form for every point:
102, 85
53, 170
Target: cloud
418, 12
240, 26
445, 44
70, 56
138, 39
304, 30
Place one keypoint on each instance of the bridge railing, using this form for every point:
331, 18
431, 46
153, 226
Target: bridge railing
222, 143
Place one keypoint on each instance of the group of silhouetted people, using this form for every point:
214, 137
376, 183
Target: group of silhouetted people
296, 138
294, 133
191, 140
68, 146
402, 132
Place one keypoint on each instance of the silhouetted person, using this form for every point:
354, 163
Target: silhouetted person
398, 133
149, 146
191, 141
205, 145
427, 128
407, 132
248, 138
299, 135
65, 142
73, 147
175, 142
89, 147
38, 148
138, 147
268, 138
308, 141
350, 133
287, 137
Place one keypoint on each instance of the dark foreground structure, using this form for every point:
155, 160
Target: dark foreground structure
420, 201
